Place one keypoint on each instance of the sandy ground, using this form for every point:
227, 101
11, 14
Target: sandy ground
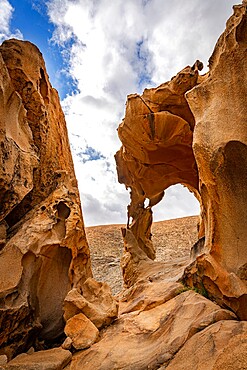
172, 239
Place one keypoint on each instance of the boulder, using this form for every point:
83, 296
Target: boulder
52, 359
95, 301
82, 332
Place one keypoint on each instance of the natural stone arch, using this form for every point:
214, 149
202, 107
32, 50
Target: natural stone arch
157, 134
178, 202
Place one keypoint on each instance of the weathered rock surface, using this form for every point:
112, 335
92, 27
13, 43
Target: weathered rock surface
81, 330
53, 359
222, 345
145, 295
96, 303
148, 339
43, 247
223, 287
138, 267
156, 134
220, 147
192, 131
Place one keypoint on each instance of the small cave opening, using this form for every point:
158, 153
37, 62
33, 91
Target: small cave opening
63, 211
175, 224
43, 86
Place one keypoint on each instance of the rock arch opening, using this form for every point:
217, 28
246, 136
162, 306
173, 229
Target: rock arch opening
175, 226
178, 202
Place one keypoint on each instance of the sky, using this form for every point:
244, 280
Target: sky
96, 53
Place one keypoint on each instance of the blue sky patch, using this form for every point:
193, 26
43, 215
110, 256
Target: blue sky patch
30, 17
90, 154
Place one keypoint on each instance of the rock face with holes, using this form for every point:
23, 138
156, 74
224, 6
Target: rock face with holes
220, 147
192, 130
156, 134
43, 248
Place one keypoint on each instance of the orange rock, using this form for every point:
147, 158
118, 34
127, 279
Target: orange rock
220, 145
191, 130
137, 267
156, 134
56, 358
222, 345
82, 331
96, 303
148, 339
44, 251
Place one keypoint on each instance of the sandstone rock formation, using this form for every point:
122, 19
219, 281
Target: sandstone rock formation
223, 345
220, 147
95, 302
55, 358
180, 132
150, 338
81, 330
191, 130
43, 248
157, 151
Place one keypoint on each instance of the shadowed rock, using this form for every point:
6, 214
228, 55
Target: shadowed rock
43, 248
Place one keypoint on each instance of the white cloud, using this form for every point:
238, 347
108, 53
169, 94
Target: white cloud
177, 202
5, 19
114, 48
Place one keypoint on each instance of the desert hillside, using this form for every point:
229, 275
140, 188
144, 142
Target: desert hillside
172, 240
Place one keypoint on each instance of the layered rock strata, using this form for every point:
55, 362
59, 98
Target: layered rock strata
43, 247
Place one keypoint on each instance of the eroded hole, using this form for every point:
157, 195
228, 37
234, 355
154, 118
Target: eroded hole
175, 230
63, 211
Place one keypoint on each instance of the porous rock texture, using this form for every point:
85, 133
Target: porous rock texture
192, 130
156, 134
43, 247
188, 317
220, 147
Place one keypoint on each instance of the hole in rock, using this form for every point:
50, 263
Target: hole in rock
174, 237
43, 85
63, 211
51, 288
146, 203
178, 202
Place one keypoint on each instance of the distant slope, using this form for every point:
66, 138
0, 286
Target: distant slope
172, 239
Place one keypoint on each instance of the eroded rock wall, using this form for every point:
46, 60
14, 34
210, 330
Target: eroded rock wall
156, 134
192, 130
43, 247
220, 147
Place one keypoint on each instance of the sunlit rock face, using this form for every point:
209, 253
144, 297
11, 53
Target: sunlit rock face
192, 130
220, 147
157, 134
43, 248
